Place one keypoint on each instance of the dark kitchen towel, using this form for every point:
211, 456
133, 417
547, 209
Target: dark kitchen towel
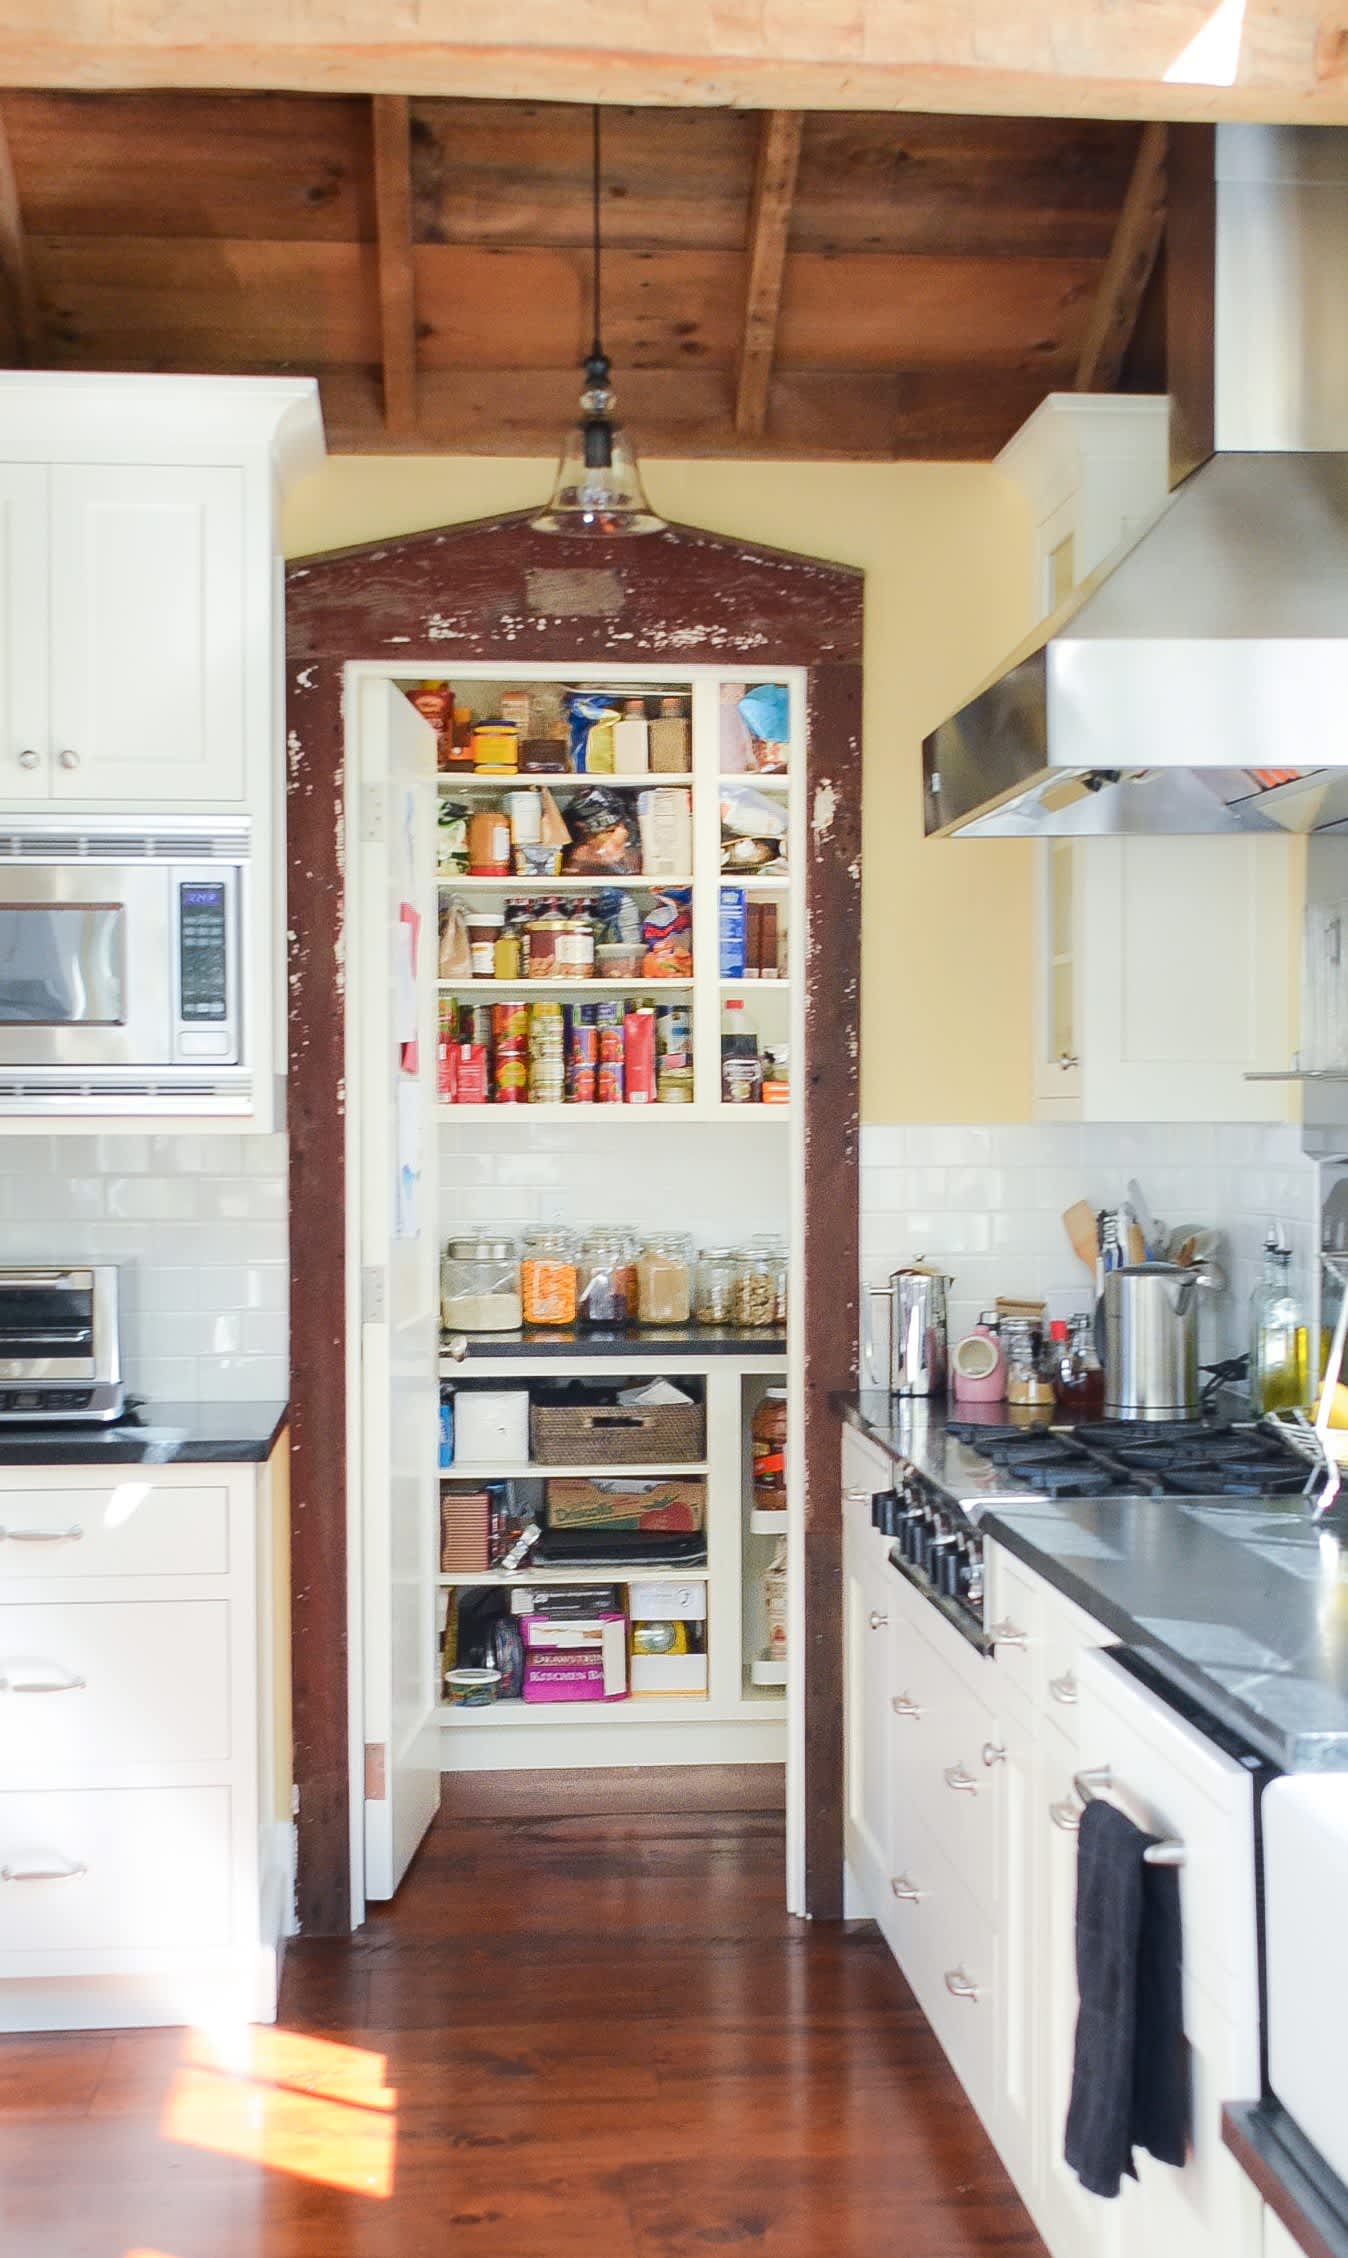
1129, 2077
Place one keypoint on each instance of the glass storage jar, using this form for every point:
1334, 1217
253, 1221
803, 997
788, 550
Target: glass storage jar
714, 1299
606, 1279
665, 1279
754, 1299
480, 1285
771, 1243
548, 1278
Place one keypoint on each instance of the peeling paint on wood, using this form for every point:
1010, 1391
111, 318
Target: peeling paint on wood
688, 595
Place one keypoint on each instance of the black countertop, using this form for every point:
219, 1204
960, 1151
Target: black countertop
158, 1434
1243, 1602
643, 1340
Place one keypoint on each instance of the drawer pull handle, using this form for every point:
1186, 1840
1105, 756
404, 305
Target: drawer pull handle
68, 1684
903, 1705
877, 1619
68, 1536
1066, 1816
857, 1497
961, 1781
1006, 1634
959, 1986
992, 1754
67, 1873
1064, 1689
906, 1889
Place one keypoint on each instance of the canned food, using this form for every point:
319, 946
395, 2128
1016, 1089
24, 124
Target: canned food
510, 1022
582, 1055
547, 1055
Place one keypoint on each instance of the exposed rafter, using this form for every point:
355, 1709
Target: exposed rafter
1128, 269
397, 284
769, 227
30, 330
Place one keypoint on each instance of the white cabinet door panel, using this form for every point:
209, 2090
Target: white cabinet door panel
148, 634
113, 1869
24, 743
132, 1528
91, 1689
867, 1757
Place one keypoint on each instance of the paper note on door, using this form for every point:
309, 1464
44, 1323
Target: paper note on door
409, 928
407, 1203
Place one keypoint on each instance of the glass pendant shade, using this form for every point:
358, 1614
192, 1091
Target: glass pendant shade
598, 489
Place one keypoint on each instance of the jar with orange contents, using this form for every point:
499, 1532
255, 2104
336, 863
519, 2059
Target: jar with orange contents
548, 1278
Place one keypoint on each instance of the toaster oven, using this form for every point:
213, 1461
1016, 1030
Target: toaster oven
60, 1352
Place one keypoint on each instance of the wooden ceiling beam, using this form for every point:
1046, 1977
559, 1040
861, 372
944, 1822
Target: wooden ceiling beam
1128, 269
769, 226
16, 267
397, 276
973, 57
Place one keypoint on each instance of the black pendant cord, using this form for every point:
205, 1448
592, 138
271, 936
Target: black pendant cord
596, 349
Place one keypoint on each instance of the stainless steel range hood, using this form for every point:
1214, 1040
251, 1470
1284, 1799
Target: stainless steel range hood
1200, 682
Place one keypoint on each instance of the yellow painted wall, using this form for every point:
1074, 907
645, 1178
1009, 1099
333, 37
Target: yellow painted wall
946, 964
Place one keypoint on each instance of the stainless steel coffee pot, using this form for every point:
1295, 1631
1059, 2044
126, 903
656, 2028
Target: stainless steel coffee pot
911, 1360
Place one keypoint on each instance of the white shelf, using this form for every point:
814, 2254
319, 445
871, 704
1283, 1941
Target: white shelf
449, 883
752, 981
614, 1114
763, 1524
764, 1673
449, 782
521, 991
775, 781
633, 1709
630, 1573
752, 885
541, 1473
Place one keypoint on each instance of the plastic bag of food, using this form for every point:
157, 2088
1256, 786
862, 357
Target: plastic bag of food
451, 838
584, 710
766, 713
604, 837
747, 814
455, 959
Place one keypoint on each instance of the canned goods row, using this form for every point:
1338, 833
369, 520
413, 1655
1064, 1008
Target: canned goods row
610, 1052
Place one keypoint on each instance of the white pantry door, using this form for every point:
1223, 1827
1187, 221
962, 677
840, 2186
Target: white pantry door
395, 962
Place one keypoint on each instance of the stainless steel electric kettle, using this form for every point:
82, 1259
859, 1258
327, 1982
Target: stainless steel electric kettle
1146, 1335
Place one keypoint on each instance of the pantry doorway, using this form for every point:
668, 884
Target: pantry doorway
498, 594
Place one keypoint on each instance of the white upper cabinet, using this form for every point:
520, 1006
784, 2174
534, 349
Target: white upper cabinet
24, 681
1164, 967
148, 634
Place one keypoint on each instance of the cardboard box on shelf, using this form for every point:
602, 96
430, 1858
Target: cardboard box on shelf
670, 1506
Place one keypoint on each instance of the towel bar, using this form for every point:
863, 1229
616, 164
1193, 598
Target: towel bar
1091, 1784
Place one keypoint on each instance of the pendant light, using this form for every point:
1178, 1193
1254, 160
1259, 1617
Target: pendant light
598, 487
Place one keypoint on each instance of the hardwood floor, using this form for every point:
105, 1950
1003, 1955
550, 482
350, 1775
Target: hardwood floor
585, 2035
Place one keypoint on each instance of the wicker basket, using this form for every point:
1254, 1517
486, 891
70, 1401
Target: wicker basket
653, 1434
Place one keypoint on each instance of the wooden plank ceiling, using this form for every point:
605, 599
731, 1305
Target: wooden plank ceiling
810, 285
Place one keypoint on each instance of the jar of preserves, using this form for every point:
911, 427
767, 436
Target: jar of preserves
575, 949
548, 1278
665, 1279
606, 1280
754, 1298
542, 944
714, 1297
767, 1438
480, 1285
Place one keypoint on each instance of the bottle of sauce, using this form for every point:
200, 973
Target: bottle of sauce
1078, 1378
767, 1431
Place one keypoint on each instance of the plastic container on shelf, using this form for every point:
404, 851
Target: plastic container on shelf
480, 1285
665, 1279
548, 1278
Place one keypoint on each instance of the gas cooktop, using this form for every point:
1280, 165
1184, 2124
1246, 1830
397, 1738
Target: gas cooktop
1132, 1458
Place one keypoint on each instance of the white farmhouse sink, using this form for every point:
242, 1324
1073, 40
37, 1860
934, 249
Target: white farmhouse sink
1305, 1909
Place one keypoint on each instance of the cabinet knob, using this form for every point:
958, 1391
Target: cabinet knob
1067, 1063
959, 1986
903, 1705
1066, 1816
877, 1620
906, 1889
962, 1782
69, 759
1064, 1689
1006, 1634
28, 758
992, 1754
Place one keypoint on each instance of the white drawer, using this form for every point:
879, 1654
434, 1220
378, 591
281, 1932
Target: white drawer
127, 1869
1044, 1637
90, 1690
958, 1985
940, 1736
130, 1527
865, 1468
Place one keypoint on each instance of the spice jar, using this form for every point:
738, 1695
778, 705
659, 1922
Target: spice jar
767, 1435
754, 1296
480, 1286
488, 843
606, 1280
664, 1279
548, 1278
714, 1298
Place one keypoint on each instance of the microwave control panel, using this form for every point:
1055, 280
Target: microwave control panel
208, 1004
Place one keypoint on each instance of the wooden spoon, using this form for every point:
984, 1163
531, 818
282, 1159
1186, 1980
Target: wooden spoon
1079, 1224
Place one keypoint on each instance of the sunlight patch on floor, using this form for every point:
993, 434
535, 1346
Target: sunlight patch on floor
287, 2102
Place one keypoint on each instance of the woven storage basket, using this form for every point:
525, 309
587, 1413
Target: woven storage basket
653, 1434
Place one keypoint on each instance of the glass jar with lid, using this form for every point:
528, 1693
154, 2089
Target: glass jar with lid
480, 1285
755, 1294
772, 1244
665, 1279
548, 1278
714, 1295
606, 1279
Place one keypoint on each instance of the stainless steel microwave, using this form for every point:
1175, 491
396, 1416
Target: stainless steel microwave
121, 966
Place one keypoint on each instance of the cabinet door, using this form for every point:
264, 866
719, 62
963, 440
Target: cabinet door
867, 1720
1185, 977
1071, 2219
23, 632
148, 634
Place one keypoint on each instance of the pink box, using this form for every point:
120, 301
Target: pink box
559, 1676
